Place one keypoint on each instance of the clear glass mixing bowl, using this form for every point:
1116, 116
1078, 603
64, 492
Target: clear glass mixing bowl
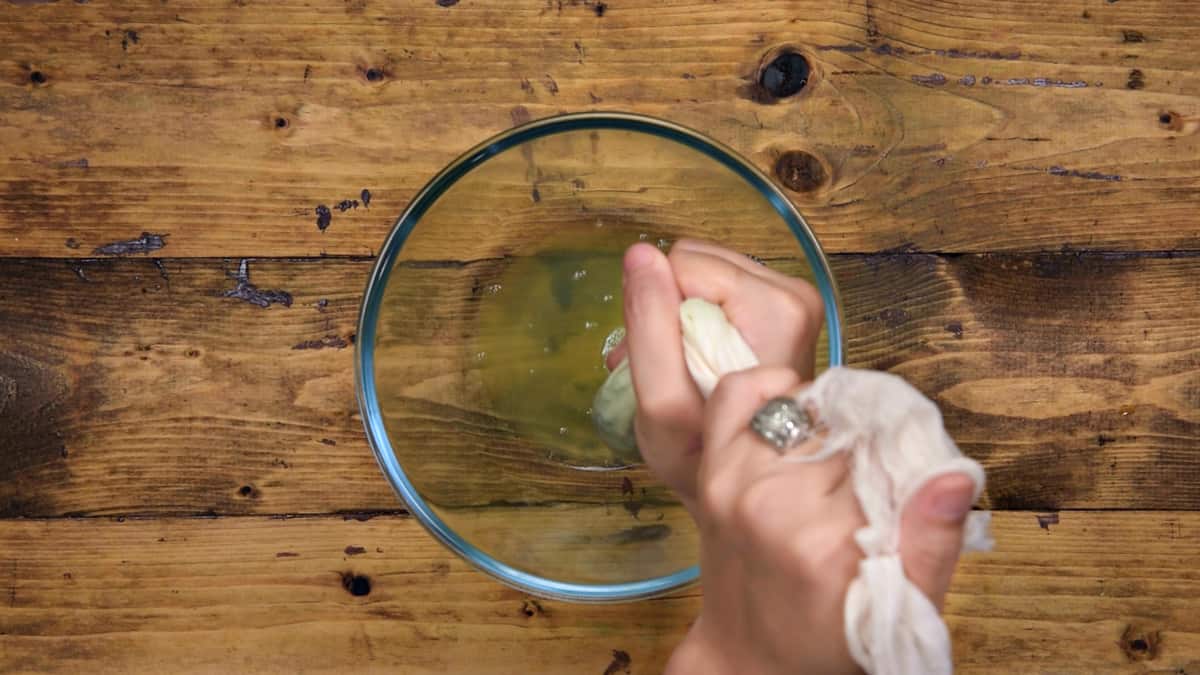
480, 337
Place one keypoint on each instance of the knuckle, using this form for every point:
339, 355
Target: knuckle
798, 321
816, 553
752, 505
713, 496
732, 387
686, 264
802, 287
678, 253
811, 298
740, 278
666, 405
756, 384
792, 310
808, 557
932, 559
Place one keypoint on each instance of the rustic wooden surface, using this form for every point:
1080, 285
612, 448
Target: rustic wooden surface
237, 395
167, 115
159, 594
1009, 190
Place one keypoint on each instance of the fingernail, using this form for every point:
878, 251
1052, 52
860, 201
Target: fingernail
950, 506
640, 256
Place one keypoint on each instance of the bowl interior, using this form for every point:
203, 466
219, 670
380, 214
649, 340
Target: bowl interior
483, 329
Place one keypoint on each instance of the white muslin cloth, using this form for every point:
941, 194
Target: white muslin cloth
897, 444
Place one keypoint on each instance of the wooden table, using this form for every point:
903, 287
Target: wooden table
1008, 190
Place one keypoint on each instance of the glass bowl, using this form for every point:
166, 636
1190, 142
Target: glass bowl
482, 328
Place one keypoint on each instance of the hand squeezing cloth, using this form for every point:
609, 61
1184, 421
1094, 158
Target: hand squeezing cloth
897, 444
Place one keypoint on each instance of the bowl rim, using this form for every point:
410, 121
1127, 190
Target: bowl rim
364, 358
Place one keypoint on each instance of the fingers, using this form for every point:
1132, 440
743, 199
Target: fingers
738, 396
653, 340
806, 290
669, 406
778, 316
745, 488
711, 272
729, 447
743, 261
931, 533
735, 457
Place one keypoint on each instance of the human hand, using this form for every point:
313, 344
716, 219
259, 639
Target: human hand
777, 551
779, 316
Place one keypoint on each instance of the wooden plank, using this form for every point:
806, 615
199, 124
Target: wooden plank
1095, 592
946, 127
132, 389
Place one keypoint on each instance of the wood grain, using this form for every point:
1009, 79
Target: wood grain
131, 389
1095, 592
951, 126
1008, 187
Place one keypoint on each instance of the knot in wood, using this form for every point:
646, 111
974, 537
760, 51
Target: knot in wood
786, 75
800, 171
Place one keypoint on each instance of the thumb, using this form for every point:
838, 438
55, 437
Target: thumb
931, 533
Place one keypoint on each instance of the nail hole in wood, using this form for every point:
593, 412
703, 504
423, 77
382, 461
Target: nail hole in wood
1140, 645
356, 584
37, 77
374, 74
281, 122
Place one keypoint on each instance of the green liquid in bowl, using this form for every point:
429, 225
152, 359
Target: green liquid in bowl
540, 344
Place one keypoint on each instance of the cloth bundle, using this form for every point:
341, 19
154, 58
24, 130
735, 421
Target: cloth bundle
897, 444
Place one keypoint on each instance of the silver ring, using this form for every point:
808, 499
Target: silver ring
782, 423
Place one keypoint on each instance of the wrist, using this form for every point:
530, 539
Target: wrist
695, 656
703, 654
